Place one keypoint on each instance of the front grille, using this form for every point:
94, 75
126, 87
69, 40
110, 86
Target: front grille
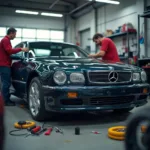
111, 100
71, 102
142, 97
107, 77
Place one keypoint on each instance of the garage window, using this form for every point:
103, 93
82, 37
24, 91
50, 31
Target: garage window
15, 41
29, 33
2, 31
43, 34
57, 35
19, 32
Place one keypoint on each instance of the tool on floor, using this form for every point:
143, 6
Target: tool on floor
96, 132
29, 129
41, 131
12, 133
24, 124
34, 131
48, 132
58, 130
77, 131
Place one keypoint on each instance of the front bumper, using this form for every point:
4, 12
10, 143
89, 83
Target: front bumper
92, 98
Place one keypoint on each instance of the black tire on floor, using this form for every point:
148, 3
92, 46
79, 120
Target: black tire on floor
42, 115
131, 139
124, 110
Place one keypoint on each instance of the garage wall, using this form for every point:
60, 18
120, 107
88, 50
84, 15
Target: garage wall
83, 23
111, 17
9, 18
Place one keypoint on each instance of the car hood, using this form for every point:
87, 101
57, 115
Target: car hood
85, 63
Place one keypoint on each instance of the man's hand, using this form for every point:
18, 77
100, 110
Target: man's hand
91, 56
97, 55
25, 49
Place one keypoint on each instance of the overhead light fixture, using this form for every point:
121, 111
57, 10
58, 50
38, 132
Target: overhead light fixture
27, 12
51, 14
108, 1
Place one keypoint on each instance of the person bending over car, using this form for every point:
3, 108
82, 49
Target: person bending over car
6, 51
108, 50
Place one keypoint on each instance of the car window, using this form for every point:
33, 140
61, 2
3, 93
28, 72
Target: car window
49, 49
72, 52
19, 46
42, 52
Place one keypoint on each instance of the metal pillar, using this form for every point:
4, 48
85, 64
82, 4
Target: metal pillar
138, 36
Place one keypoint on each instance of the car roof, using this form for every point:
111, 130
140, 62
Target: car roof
50, 42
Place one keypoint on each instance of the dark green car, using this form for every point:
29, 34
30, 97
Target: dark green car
59, 77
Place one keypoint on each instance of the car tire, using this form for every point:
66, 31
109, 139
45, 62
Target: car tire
123, 110
131, 137
36, 102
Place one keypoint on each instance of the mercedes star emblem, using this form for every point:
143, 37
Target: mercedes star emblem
113, 77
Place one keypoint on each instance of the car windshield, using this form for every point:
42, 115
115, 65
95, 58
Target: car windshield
49, 49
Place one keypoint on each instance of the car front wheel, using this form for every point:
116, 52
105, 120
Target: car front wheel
36, 100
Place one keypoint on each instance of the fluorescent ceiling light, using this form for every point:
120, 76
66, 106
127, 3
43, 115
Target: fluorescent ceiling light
27, 12
51, 14
108, 1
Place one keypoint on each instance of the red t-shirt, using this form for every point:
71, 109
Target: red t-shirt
109, 47
6, 51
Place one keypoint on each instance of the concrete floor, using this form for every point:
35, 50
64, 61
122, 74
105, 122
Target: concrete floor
68, 141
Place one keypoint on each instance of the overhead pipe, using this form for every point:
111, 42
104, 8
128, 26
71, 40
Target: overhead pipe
81, 7
86, 10
53, 4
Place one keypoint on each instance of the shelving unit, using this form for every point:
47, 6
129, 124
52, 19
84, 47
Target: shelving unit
125, 59
145, 62
145, 15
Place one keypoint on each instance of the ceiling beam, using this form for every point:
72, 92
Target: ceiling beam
53, 4
44, 3
82, 7
71, 3
32, 9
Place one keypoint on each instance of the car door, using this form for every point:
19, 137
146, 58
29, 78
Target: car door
17, 68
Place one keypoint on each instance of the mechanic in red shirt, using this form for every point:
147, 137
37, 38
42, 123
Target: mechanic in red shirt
6, 51
108, 50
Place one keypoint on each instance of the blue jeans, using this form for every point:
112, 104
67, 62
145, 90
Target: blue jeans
5, 74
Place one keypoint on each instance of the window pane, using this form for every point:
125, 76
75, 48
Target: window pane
28, 39
53, 40
42, 52
57, 35
2, 31
15, 41
1, 38
42, 40
43, 34
18, 32
29, 33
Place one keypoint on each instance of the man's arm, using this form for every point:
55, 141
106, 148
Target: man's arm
8, 48
99, 54
103, 50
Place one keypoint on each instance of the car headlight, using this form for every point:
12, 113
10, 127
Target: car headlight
143, 76
60, 77
136, 76
77, 78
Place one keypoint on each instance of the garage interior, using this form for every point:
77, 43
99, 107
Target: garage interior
76, 21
